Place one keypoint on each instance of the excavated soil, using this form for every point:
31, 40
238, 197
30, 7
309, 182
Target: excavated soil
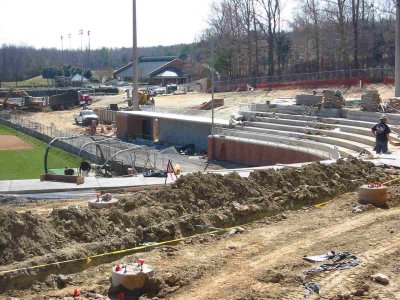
175, 210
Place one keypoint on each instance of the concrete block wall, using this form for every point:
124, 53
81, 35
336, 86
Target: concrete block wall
182, 133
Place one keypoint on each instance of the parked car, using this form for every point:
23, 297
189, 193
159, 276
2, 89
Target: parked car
86, 117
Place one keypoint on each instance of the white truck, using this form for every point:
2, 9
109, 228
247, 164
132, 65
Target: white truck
86, 117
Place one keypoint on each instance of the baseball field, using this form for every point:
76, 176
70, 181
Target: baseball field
21, 156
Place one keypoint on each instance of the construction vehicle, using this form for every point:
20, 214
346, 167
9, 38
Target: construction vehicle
20, 100
69, 99
143, 97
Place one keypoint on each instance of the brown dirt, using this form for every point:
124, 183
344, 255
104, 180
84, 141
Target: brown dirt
63, 120
12, 142
265, 262
76, 231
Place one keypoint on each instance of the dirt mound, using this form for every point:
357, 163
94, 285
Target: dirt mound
23, 235
175, 210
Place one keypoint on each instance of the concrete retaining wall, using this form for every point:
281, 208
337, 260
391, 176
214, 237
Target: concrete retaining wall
323, 112
254, 154
368, 116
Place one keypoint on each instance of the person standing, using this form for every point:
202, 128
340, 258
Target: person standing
84, 168
381, 132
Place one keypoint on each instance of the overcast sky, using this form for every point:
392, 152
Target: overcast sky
40, 23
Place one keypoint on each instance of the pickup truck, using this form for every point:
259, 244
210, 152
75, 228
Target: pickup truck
86, 117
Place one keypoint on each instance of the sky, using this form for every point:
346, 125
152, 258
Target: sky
41, 23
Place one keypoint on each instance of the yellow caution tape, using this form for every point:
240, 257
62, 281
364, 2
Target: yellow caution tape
390, 181
88, 259
321, 204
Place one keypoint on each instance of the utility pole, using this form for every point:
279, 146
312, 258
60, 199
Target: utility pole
212, 86
135, 85
81, 33
397, 51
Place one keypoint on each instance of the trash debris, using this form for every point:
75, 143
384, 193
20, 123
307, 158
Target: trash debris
341, 261
154, 173
380, 278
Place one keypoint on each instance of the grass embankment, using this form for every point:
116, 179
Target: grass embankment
35, 81
28, 164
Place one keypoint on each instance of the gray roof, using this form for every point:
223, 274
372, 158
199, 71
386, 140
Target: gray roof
145, 68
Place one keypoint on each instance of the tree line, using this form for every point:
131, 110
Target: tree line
250, 39
19, 63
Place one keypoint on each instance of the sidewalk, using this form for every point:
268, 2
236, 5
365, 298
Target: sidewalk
91, 183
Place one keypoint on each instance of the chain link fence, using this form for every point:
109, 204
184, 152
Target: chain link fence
307, 79
101, 149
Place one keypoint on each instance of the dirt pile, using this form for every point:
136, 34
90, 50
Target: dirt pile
175, 210
24, 235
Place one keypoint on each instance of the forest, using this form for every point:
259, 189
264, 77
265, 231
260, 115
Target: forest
250, 38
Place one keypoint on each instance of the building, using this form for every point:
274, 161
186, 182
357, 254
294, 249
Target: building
155, 70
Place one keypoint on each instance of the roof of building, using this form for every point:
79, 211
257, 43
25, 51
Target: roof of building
167, 74
147, 66
78, 77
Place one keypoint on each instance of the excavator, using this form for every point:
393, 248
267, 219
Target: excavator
19, 99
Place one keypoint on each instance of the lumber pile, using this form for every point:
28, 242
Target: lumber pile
370, 101
333, 99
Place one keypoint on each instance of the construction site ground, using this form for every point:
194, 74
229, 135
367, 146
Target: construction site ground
265, 261
64, 119
280, 221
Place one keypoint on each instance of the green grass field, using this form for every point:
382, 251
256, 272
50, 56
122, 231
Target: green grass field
35, 81
28, 164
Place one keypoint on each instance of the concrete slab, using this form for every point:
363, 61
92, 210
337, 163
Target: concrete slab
171, 116
91, 183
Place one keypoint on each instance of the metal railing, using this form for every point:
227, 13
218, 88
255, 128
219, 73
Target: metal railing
299, 145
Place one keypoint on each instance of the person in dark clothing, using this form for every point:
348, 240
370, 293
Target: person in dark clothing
381, 132
84, 168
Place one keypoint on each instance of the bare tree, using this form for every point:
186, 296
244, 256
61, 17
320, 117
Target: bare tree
268, 20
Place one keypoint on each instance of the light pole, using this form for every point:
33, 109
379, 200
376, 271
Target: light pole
397, 51
135, 85
70, 50
62, 58
81, 34
88, 34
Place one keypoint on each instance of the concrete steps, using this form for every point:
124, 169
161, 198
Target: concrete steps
350, 136
359, 138
353, 148
327, 149
319, 153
